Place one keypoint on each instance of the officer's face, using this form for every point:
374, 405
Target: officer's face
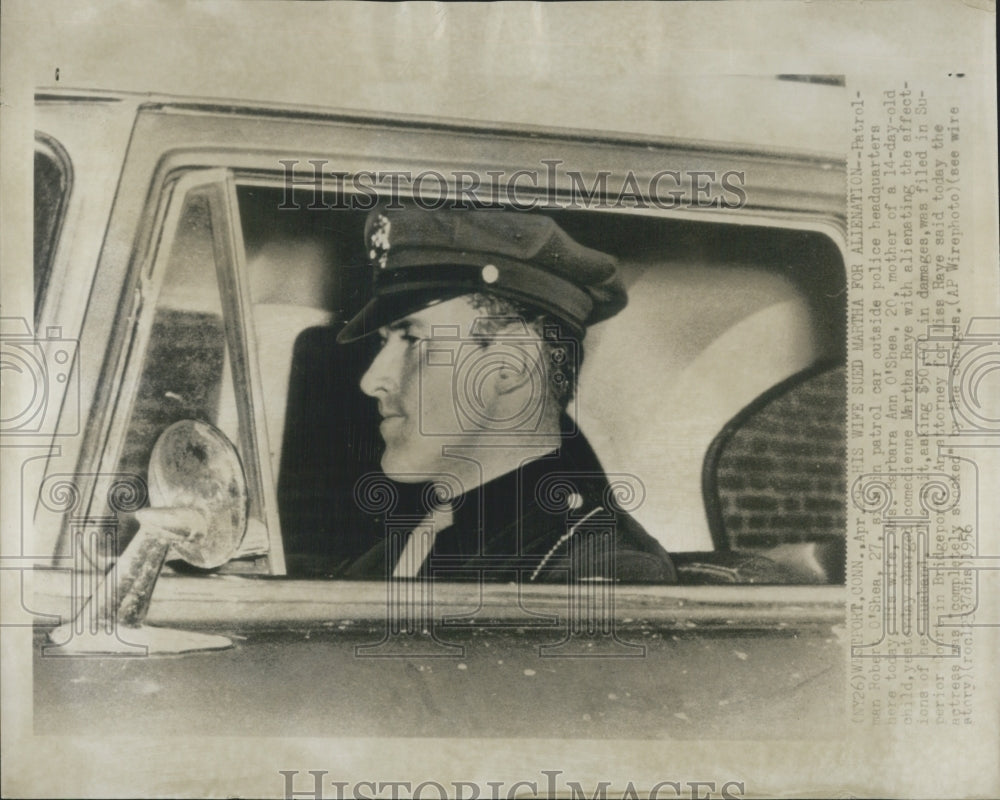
412, 377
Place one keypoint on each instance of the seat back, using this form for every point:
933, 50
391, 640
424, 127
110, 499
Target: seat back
330, 440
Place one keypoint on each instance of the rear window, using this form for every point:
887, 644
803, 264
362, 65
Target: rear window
52, 185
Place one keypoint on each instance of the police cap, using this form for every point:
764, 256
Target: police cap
419, 257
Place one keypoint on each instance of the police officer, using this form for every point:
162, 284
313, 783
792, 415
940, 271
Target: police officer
481, 316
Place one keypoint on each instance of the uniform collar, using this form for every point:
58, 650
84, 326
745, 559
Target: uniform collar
506, 515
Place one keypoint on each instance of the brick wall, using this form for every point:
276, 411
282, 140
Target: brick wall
782, 473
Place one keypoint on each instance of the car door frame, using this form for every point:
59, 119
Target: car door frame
172, 139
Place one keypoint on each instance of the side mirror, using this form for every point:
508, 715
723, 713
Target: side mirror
198, 511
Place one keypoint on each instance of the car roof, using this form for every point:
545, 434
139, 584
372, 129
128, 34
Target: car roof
772, 132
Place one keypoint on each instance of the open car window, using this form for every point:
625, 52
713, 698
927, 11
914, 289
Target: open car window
248, 288
650, 400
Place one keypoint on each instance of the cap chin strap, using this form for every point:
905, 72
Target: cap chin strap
420, 270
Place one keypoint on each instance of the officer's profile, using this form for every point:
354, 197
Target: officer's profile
481, 317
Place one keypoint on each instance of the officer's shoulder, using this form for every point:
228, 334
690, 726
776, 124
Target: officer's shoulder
629, 551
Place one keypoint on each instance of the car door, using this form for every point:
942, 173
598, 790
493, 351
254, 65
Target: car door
232, 252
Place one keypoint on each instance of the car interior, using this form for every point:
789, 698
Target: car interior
720, 386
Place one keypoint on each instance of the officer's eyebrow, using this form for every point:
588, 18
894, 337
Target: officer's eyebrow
407, 326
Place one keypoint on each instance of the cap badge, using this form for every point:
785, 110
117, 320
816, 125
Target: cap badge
379, 241
490, 274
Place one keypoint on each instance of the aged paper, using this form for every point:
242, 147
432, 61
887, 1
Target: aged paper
798, 195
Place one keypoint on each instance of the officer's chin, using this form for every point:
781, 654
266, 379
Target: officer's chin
397, 470
406, 477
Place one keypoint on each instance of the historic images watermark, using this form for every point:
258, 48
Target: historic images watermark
39, 401
317, 784
106, 600
35, 370
550, 359
415, 626
547, 186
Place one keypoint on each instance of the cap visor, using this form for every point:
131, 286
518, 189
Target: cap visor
386, 309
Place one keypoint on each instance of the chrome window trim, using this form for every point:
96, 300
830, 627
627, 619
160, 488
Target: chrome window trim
51, 148
171, 140
230, 601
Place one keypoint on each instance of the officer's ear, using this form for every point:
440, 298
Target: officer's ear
515, 369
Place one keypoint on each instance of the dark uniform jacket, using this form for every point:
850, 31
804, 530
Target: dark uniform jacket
556, 518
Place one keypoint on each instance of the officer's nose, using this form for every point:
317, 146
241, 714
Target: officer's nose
381, 378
